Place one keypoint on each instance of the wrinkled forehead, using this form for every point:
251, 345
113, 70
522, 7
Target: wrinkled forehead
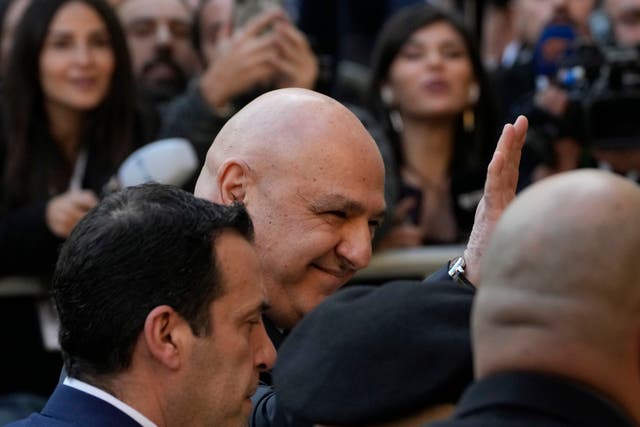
153, 9
324, 137
336, 162
304, 137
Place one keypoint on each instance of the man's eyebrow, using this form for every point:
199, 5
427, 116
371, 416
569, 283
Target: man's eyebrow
260, 308
333, 202
336, 201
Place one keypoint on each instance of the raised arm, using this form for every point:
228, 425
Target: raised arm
499, 190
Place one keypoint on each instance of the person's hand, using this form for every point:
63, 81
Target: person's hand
402, 233
244, 60
297, 64
499, 190
64, 211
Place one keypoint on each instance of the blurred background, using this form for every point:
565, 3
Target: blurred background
98, 95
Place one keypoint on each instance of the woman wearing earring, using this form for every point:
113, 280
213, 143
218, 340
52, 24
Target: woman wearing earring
431, 94
69, 119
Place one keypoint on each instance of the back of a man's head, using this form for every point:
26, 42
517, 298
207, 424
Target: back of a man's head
561, 288
140, 248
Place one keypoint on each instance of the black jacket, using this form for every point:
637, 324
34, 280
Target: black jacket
446, 296
518, 399
27, 246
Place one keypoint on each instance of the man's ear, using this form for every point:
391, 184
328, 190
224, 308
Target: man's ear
233, 177
166, 335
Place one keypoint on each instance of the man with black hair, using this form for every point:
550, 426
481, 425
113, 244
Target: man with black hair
159, 38
160, 299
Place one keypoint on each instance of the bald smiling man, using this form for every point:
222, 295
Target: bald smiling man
312, 179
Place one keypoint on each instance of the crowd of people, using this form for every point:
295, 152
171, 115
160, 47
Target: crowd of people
172, 305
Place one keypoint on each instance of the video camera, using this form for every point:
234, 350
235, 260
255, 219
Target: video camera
603, 87
612, 104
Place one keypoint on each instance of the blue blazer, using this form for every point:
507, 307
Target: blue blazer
68, 406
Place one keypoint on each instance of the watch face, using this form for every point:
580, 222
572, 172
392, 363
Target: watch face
456, 272
457, 267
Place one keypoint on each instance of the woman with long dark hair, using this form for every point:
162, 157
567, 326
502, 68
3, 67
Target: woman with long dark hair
432, 95
69, 120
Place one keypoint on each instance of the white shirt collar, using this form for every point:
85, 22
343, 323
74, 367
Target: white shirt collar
102, 395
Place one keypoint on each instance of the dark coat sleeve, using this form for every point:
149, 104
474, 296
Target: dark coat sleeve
441, 275
27, 246
449, 307
267, 413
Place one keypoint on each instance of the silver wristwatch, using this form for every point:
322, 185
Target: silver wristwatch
456, 271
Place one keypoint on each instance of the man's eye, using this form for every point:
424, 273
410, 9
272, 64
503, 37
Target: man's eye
180, 30
338, 214
142, 28
373, 227
252, 323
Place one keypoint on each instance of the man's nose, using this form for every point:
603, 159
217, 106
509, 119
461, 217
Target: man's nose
163, 35
265, 356
355, 246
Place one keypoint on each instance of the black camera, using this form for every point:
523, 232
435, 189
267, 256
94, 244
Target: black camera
612, 103
603, 87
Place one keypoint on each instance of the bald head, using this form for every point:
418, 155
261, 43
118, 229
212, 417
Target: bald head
572, 230
283, 125
312, 179
561, 292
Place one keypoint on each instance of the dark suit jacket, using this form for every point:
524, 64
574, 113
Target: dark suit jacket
517, 399
68, 406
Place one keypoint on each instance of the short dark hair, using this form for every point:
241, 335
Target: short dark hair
140, 248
